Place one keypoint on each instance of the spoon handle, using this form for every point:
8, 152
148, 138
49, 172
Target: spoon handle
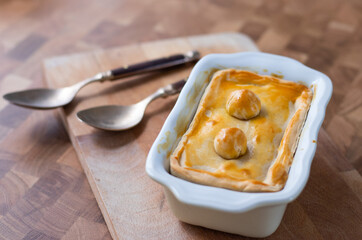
163, 92
174, 88
152, 65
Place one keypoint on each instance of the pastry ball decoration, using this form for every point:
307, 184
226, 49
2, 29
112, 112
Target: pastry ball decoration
230, 143
243, 104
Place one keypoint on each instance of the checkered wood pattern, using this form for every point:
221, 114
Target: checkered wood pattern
43, 191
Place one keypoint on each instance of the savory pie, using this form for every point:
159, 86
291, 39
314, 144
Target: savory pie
244, 133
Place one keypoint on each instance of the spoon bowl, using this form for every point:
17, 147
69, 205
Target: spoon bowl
42, 98
113, 117
117, 117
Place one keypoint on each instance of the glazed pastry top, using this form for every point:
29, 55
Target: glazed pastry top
263, 132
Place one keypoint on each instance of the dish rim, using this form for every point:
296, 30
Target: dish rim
230, 200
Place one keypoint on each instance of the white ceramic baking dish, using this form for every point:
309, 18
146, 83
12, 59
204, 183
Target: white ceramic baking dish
248, 214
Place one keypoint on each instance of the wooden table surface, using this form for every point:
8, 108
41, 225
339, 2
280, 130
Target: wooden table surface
44, 193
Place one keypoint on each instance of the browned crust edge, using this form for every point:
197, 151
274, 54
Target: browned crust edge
278, 172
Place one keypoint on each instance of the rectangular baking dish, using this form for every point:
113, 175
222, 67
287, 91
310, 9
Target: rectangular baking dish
247, 214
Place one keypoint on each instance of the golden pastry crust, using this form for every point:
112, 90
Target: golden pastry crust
230, 143
272, 136
243, 104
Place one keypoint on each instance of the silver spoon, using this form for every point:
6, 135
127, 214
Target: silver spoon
117, 117
44, 98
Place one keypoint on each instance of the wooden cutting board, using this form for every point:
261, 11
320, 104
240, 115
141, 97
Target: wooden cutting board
132, 204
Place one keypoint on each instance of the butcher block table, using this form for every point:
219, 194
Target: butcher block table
60, 179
